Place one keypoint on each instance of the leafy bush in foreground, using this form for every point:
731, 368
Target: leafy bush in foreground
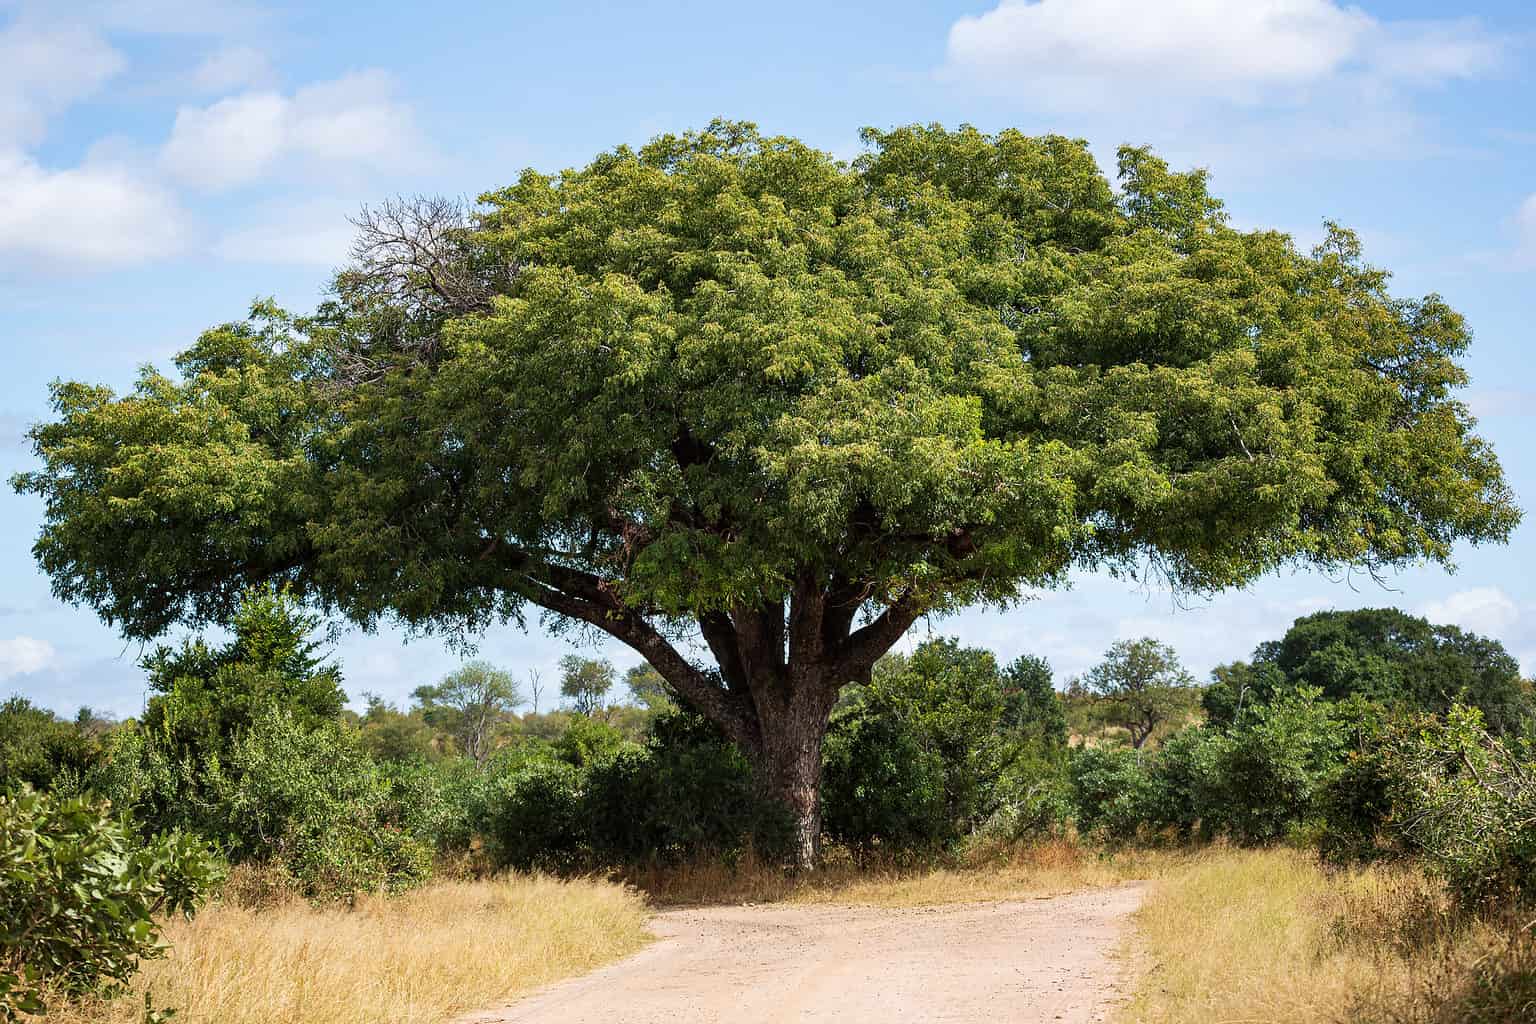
79, 896
1466, 802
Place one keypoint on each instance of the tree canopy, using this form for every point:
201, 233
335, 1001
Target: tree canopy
727, 385
1385, 655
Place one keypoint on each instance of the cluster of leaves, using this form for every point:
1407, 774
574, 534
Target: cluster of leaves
596, 799
80, 896
39, 750
242, 745
1452, 793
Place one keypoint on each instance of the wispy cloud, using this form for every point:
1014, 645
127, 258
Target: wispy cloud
23, 655
1302, 79
353, 121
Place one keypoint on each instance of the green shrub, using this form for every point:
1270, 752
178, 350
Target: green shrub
39, 750
1466, 802
535, 818
880, 782
586, 740
1268, 774
1113, 794
79, 896
311, 802
686, 793
940, 745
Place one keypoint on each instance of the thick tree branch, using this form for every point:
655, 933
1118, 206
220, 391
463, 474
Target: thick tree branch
587, 598
859, 651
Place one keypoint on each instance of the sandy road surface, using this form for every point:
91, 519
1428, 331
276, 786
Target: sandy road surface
1043, 960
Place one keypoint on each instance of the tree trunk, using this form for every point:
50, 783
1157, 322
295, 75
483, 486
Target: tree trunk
790, 764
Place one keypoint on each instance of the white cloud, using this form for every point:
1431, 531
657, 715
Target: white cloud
1090, 54
315, 233
21, 655
96, 214
1484, 610
352, 121
233, 67
44, 68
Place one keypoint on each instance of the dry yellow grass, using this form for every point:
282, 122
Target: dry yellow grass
424, 957
1253, 937
981, 873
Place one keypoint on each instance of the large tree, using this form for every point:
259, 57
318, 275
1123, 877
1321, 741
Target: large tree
728, 388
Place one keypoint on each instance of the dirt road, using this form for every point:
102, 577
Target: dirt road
1049, 960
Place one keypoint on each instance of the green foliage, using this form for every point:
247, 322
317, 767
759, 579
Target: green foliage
81, 896
1113, 794
395, 736
537, 820
1032, 705
1141, 685
586, 740
586, 682
312, 803
205, 696
1268, 775
685, 794
648, 688
1257, 781
39, 750
1466, 802
936, 745
471, 703
1387, 656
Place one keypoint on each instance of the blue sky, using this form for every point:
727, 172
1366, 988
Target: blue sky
163, 162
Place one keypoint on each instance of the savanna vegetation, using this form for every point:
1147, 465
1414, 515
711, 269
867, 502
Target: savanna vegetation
726, 394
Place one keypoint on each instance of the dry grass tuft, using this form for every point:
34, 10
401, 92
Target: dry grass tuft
1007, 871
421, 958
1273, 936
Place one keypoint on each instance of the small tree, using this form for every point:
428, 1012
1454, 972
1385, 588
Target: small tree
649, 688
1033, 706
585, 682
470, 703
1142, 685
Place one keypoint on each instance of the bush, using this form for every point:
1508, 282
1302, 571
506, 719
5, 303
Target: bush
535, 818
38, 749
79, 896
686, 794
310, 802
1466, 802
941, 744
1255, 782
879, 782
1113, 793
1268, 774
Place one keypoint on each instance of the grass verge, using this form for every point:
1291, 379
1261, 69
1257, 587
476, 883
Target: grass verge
421, 958
1251, 937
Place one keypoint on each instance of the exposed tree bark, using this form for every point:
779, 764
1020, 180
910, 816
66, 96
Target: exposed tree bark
779, 669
